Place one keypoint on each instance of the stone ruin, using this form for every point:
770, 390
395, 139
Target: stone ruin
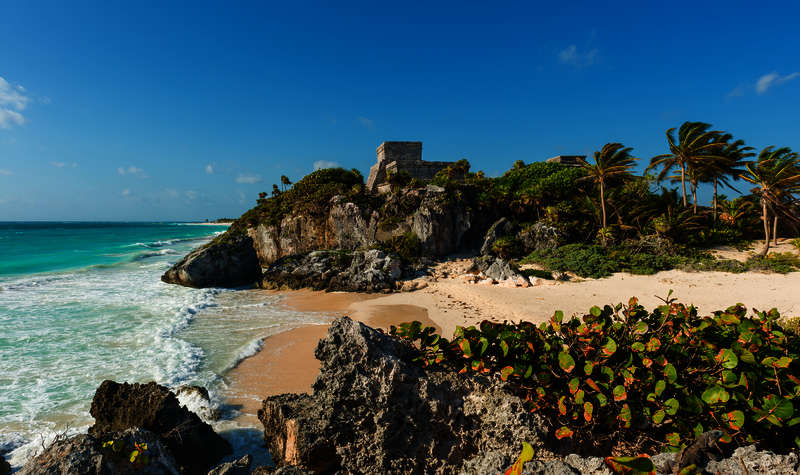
394, 157
568, 160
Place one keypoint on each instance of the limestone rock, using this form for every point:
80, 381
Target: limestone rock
193, 443
540, 236
501, 270
358, 271
230, 263
85, 454
374, 411
237, 467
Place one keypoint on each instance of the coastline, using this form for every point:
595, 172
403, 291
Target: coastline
286, 363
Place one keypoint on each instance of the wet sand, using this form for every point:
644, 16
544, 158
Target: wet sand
286, 362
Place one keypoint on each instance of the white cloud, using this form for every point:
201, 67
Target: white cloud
767, 81
368, 123
12, 96
210, 168
132, 170
571, 55
126, 192
190, 195
9, 118
319, 164
12, 101
248, 179
64, 164
4, 172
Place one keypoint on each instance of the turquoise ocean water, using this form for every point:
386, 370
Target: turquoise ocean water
83, 302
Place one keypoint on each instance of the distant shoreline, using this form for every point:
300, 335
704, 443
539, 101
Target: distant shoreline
206, 224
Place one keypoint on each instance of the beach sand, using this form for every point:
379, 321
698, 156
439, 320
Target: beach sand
287, 364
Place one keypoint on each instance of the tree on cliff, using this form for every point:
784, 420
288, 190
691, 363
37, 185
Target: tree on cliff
285, 182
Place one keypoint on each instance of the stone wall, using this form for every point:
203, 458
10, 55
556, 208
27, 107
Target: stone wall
401, 156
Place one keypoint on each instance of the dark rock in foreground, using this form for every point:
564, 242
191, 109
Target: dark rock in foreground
357, 271
230, 263
193, 443
85, 455
5, 467
374, 411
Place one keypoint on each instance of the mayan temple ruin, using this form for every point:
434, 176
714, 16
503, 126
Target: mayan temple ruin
394, 157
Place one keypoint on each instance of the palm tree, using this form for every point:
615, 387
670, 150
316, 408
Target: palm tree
733, 155
693, 144
776, 175
285, 181
613, 162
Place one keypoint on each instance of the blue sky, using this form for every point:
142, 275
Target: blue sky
138, 111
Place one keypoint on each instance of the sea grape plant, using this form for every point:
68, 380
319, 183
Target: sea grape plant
622, 378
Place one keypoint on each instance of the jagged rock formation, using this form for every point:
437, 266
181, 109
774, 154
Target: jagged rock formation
240, 466
193, 443
358, 271
85, 454
540, 236
224, 263
374, 411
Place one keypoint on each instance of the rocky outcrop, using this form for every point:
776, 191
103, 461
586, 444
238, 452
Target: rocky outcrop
440, 226
119, 406
441, 222
539, 236
5, 467
357, 271
85, 454
240, 466
372, 410
225, 263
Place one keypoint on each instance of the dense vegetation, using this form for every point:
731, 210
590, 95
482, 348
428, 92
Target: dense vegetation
606, 217
624, 380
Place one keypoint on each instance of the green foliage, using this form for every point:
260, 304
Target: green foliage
519, 465
796, 243
507, 247
311, 195
406, 246
624, 377
780, 262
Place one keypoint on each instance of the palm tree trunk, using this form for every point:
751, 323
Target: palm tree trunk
683, 183
775, 230
715, 200
694, 196
603, 205
766, 228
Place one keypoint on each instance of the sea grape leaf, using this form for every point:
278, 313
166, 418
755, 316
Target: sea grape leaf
566, 362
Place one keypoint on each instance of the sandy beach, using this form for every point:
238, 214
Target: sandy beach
286, 362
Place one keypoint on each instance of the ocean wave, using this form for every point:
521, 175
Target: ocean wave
149, 254
249, 350
167, 242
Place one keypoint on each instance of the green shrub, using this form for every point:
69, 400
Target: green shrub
780, 262
407, 247
507, 247
625, 378
581, 259
796, 243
